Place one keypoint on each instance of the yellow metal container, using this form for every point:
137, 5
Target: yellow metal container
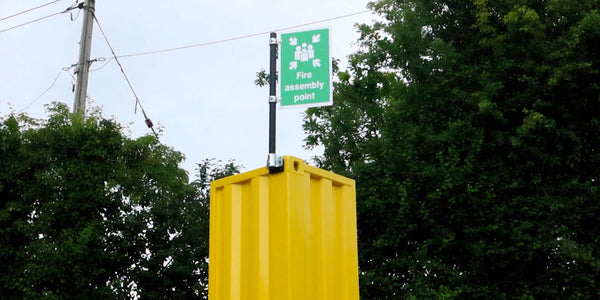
284, 236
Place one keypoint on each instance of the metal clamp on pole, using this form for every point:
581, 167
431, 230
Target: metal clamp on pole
274, 163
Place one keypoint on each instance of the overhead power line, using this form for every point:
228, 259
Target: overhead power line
137, 100
28, 10
40, 19
138, 103
33, 21
47, 90
243, 36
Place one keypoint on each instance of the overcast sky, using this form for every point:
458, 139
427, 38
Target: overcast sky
204, 98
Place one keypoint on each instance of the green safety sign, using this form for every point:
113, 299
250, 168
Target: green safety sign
305, 68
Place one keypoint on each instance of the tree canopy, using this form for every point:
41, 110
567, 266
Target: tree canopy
87, 212
472, 130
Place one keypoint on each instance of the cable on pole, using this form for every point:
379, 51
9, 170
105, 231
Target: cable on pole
28, 10
64, 69
108, 60
243, 36
105, 61
137, 100
40, 19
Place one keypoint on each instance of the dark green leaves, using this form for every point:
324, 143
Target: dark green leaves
471, 128
87, 212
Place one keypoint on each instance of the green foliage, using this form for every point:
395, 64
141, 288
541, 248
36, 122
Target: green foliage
471, 128
86, 212
262, 78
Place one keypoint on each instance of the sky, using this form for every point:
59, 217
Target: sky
203, 99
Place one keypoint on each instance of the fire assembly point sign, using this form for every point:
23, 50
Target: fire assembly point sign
305, 69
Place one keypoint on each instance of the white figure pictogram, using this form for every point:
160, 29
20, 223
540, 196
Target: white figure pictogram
297, 53
305, 52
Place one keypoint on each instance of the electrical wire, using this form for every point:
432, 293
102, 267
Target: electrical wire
40, 19
101, 59
116, 57
47, 90
28, 10
137, 100
242, 37
108, 60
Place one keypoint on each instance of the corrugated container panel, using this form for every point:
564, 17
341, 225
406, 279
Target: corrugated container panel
290, 235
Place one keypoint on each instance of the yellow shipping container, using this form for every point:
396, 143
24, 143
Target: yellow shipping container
289, 235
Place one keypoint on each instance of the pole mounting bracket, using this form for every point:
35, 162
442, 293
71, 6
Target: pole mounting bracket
274, 163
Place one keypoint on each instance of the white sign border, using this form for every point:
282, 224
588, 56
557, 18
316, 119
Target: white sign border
309, 105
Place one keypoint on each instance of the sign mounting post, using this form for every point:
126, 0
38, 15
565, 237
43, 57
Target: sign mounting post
274, 163
304, 77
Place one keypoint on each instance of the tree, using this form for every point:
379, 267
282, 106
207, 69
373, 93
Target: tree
87, 212
471, 128
179, 270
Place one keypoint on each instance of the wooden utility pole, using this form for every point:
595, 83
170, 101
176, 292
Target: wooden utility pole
85, 47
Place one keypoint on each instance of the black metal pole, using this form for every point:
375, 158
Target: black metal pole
274, 163
272, 92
